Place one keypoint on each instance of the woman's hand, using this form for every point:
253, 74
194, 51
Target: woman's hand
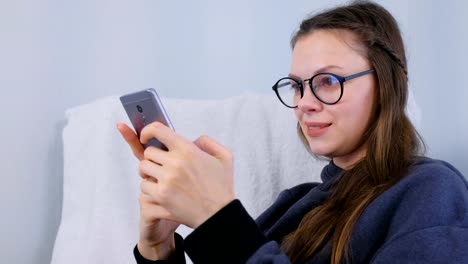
132, 140
192, 180
156, 239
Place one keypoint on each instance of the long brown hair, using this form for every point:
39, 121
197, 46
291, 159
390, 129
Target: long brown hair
390, 138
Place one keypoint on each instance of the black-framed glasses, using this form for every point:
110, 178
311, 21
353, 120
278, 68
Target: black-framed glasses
326, 87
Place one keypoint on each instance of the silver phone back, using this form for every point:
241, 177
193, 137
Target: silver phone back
143, 108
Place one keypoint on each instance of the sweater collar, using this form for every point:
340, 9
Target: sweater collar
330, 172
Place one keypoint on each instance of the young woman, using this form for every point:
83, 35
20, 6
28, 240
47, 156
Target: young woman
380, 202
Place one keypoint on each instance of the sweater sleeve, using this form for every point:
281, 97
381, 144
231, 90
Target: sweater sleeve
232, 236
430, 223
177, 258
440, 244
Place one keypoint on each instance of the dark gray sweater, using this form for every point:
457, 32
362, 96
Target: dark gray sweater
421, 219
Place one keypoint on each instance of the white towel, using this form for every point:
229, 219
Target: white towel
100, 208
101, 185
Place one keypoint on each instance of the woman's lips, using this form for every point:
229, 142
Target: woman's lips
315, 129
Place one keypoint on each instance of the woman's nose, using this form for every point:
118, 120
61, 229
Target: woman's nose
308, 102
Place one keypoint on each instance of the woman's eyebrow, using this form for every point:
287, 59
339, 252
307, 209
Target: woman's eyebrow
320, 70
294, 76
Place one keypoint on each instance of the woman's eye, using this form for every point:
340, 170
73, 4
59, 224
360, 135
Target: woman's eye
328, 81
295, 86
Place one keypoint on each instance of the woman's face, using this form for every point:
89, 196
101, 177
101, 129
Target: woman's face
334, 131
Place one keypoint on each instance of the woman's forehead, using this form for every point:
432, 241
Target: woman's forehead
323, 48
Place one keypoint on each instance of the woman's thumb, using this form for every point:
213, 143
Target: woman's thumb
213, 148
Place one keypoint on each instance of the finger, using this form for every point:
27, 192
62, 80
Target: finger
156, 211
155, 192
145, 199
162, 133
156, 155
213, 148
150, 209
143, 175
150, 169
159, 192
132, 140
146, 177
149, 189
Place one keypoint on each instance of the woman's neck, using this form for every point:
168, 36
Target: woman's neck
346, 162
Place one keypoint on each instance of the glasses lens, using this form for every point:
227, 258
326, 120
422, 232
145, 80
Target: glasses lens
289, 91
327, 88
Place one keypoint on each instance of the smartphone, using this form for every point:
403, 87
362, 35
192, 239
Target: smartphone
143, 108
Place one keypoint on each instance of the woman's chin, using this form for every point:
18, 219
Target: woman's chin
319, 151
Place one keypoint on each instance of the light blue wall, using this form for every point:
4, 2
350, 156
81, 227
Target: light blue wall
58, 54
438, 55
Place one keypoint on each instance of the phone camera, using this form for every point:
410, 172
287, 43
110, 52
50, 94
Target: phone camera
140, 109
